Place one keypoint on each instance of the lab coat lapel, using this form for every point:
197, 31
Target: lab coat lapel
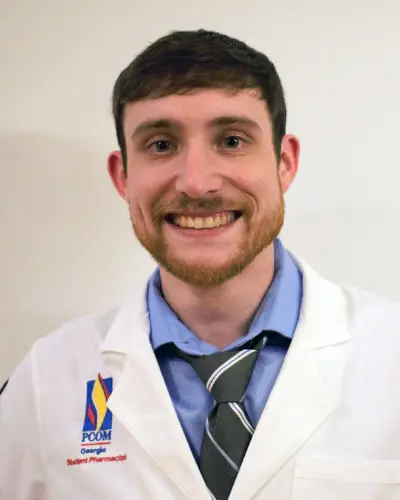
307, 390
141, 402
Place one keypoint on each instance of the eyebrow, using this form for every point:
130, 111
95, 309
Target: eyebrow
153, 125
220, 121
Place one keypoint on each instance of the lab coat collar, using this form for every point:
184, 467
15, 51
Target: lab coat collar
306, 393
132, 317
322, 300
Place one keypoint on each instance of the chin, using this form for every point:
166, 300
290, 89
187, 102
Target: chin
202, 272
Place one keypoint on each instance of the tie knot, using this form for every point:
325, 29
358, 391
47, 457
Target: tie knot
227, 374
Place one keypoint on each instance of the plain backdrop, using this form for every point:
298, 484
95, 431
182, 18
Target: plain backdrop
66, 245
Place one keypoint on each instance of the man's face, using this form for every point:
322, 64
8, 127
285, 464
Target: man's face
204, 187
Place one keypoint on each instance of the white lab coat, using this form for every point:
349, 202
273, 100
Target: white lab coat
330, 430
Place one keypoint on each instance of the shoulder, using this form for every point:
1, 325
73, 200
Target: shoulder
54, 367
361, 307
84, 333
60, 354
374, 327
369, 320
370, 309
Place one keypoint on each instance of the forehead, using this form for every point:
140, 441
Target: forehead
198, 108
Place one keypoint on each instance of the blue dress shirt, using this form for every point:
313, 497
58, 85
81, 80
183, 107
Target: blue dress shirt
278, 311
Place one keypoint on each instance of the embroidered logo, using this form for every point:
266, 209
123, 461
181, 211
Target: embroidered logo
97, 425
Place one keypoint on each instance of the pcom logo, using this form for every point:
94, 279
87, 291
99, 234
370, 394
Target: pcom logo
97, 426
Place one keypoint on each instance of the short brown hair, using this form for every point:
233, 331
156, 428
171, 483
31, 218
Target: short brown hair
186, 60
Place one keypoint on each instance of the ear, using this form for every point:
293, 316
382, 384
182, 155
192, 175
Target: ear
289, 161
115, 166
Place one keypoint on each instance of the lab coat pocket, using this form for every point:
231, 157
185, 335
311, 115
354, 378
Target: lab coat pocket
337, 479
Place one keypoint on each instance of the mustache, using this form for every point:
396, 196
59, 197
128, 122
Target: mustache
160, 209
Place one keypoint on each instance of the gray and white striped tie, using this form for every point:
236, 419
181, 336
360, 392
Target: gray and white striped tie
228, 429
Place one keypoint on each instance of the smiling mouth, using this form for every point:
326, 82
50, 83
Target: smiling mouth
203, 222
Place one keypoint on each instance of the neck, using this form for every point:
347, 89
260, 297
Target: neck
221, 314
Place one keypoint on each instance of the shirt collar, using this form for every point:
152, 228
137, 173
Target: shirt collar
279, 310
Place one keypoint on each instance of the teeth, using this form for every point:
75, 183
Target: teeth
203, 222
198, 223
182, 221
208, 222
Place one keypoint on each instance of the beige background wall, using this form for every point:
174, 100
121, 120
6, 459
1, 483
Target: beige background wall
65, 241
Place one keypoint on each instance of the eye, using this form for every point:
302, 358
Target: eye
162, 146
232, 142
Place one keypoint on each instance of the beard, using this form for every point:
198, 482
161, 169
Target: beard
254, 240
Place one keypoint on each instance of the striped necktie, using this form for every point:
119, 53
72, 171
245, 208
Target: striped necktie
228, 428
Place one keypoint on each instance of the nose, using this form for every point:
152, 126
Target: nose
198, 173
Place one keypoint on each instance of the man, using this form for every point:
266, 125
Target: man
239, 372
